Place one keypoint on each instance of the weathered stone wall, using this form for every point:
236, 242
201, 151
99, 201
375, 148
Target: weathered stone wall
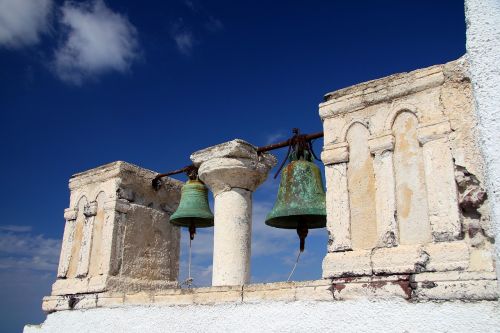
117, 236
405, 178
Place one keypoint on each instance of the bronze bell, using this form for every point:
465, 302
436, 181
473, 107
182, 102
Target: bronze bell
301, 198
193, 211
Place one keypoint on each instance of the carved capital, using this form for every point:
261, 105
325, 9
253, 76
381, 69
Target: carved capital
120, 205
335, 153
90, 209
70, 214
380, 144
431, 132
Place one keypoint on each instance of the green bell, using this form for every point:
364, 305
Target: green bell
301, 198
193, 211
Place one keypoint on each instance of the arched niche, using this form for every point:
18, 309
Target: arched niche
361, 185
411, 194
76, 239
96, 257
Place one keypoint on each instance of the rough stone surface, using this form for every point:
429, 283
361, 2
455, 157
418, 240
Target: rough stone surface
349, 263
405, 177
117, 236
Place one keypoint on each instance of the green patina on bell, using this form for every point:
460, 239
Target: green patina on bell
193, 211
301, 198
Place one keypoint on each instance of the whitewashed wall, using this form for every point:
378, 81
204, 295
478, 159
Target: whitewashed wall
483, 51
346, 316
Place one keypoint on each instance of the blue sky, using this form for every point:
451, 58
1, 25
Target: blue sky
89, 82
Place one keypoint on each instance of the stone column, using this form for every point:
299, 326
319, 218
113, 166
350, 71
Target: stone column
338, 219
69, 230
440, 181
382, 148
84, 260
232, 170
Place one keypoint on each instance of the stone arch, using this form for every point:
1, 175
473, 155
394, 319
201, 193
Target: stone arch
411, 193
347, 127
361, 186
400, 108
96, 248
76, 237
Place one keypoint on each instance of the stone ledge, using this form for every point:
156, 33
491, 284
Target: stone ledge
403, 259
471, 286
376, 91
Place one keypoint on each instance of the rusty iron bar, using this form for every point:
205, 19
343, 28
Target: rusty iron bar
286, 143
189, 168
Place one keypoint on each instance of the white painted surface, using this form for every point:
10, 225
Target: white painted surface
232, 237
483, 51
344, 316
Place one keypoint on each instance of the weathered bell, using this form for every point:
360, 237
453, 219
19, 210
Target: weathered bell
300, 203
193, 211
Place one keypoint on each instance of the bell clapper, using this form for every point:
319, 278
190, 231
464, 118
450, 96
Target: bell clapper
302, 231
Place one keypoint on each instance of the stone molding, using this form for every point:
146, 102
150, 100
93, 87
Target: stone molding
434, 131
335, 153
424, 287
379, 145
70, 214
362, 95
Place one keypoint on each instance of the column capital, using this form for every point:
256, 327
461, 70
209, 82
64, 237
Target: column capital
335, 153
380, 144
232, 164
70, 214
431, 132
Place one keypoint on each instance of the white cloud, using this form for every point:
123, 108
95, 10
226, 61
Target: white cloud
22, 22
15, 228
22, 250
184, 41
98, 41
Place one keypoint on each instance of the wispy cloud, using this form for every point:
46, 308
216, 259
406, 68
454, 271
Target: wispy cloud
23, 22
15, 228
275, 137
98, 40
184, 41
20, 249
214, 24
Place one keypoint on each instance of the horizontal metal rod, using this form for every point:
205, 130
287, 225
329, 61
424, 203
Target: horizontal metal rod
287, 142
259, 150
170, 173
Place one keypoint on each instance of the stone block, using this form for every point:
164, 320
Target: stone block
99, 253
447, 256
174, 297
481, 260
320, 290
349, 263
109, 302
372, 287
281, 291
401, 259
453, 276
467, 290
138, 298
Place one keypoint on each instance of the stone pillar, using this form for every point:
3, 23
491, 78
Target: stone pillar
382, 148
117, 235
232, 170
440, 181
338, 217
84, 260
70, 215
